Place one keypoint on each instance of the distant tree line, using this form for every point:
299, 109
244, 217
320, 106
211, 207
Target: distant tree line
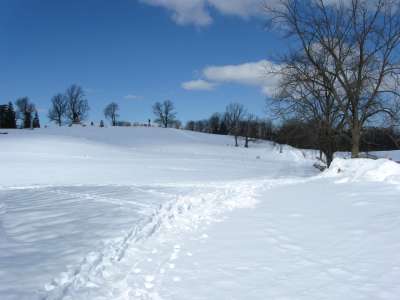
296, 132
26, 113
234, 121
304, 135
70, 107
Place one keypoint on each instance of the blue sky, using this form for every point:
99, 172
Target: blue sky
136, 52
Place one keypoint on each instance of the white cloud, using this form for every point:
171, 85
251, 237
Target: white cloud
132, 97
185, 11
198, 85
241, 8
197, 12
253, 74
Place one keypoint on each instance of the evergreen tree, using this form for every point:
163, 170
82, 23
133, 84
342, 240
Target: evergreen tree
7, 116
3, 116
36, 122
11, 116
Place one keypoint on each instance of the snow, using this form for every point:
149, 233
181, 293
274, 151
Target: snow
302, 241
381, 170
392, 155
71, 156
151, 213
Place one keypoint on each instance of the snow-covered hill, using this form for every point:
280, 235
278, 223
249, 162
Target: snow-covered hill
131, 156
151, 213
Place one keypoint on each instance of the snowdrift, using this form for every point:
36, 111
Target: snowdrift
350, 170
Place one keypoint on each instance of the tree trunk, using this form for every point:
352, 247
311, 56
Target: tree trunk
355, 140
236, 141
329, 158
246, 145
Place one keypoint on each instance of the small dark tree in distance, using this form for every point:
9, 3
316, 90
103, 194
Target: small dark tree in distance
58, 109
36, 121
11, 117
111, 113
77, 104
247, 128
214, 123
25, 110
233, 116
165, 113
7, 116
3, 116
190, 125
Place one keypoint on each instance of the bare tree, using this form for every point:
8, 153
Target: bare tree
77, 104
177, 124
303, 95
354, 41
190, 125
214, 123
25, 110
248, 128
58, 109
234, 114
111, 112
165, 113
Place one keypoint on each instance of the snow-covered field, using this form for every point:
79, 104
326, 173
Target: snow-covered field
150, 213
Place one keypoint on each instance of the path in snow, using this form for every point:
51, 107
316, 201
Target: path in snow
131, 268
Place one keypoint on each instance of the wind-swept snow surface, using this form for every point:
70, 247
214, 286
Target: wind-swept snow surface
148, 213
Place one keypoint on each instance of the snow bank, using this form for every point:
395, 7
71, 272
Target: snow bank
381, 170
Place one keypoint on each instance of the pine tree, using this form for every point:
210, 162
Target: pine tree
11, 116
36, 122
3, 116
